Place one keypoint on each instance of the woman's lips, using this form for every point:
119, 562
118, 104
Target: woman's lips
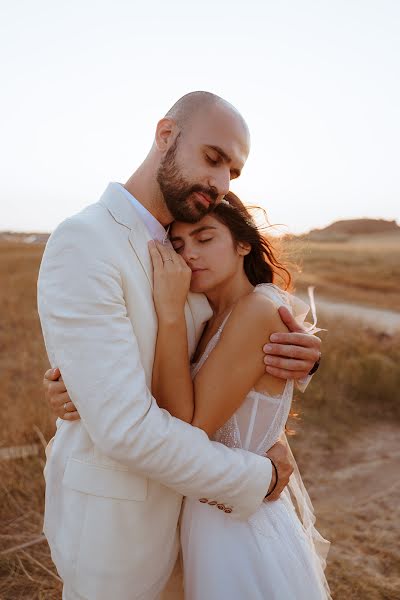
195, 271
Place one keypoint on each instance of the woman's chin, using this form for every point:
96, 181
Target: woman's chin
197, 288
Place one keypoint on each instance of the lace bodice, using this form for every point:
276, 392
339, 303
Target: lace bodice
260, 420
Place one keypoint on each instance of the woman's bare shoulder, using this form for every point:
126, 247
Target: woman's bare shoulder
254, 314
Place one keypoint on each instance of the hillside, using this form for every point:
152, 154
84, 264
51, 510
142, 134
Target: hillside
350, 261
354, 227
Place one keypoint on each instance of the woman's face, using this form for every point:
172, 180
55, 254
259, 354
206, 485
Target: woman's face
209, 250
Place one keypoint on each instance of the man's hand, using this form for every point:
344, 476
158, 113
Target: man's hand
279, 454
57, 397
291, 355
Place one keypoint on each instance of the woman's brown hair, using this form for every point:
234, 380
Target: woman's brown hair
262, 264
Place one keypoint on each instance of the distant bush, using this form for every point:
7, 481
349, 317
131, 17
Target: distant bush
358, 381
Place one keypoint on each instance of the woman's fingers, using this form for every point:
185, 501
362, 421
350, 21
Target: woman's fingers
52, 374
55, 388
155, 256
57, 396
71, 416
167, 254
69, 407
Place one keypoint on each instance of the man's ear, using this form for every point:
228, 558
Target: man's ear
243, 248
166, 132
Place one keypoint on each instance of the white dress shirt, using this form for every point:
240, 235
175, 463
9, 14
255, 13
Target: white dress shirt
156, 230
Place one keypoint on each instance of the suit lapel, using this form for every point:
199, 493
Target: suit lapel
124, 213
197, 309
139, 239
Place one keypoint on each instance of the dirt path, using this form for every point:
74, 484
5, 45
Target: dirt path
355, 493
381, 319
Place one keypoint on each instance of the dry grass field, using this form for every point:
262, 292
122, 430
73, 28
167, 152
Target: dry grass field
361, 269
345, 435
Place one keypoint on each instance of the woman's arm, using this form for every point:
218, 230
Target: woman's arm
172, 385
233, 367
236, 364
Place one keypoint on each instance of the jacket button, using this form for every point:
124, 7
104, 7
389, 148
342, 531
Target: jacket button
228, 510
212, 502
221, 506
203, 500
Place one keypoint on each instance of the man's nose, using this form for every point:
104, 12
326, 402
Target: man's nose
221, 183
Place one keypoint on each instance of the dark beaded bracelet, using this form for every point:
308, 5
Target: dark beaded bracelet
315, 367
276, 479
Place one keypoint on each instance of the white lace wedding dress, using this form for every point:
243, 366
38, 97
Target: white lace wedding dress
276, 554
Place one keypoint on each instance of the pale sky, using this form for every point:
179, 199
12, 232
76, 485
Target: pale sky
83, 83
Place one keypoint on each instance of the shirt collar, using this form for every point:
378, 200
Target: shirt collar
154, 227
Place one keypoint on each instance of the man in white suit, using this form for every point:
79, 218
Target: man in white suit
115, 478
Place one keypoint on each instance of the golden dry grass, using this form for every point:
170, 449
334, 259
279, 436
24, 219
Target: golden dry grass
349, 419
346, 444
363, 269
22, 355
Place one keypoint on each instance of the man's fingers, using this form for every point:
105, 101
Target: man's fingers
275, 494
299, 357
295, 352
289, 320
284, 374
296, 339
289, 364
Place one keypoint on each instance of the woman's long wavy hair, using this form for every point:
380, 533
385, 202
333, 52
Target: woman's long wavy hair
263, 264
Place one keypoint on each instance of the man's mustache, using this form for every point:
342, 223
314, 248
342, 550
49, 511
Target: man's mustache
210, 192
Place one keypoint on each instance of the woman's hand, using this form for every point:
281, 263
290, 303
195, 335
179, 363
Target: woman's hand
171, 281
57, 397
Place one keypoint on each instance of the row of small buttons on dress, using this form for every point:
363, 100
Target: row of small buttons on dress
226, 509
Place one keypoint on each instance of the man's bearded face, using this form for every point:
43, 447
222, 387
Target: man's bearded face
179, 194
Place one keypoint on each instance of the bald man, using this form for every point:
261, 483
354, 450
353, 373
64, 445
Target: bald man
116, 476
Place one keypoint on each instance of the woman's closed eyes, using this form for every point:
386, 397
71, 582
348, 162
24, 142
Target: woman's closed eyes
178, 248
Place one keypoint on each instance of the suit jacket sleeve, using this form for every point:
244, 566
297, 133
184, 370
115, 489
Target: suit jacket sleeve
89, 336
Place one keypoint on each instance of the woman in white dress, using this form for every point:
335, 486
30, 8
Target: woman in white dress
277, 554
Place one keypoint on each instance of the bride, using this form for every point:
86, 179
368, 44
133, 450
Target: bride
277, 554
226, 392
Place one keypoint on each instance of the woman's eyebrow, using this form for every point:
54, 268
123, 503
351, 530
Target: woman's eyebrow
202, 228
198, 230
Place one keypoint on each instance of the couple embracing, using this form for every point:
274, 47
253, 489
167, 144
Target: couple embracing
156, 305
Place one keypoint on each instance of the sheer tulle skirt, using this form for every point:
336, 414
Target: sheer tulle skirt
275, 555
268, 557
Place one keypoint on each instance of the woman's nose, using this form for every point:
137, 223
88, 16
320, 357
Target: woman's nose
189, 254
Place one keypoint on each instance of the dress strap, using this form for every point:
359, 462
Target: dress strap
220, 328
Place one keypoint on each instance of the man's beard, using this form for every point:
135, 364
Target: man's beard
177, 191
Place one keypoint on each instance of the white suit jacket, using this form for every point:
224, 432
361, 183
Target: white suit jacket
115, 479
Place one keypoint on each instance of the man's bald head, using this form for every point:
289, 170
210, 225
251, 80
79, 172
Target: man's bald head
199, 146
193, 104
